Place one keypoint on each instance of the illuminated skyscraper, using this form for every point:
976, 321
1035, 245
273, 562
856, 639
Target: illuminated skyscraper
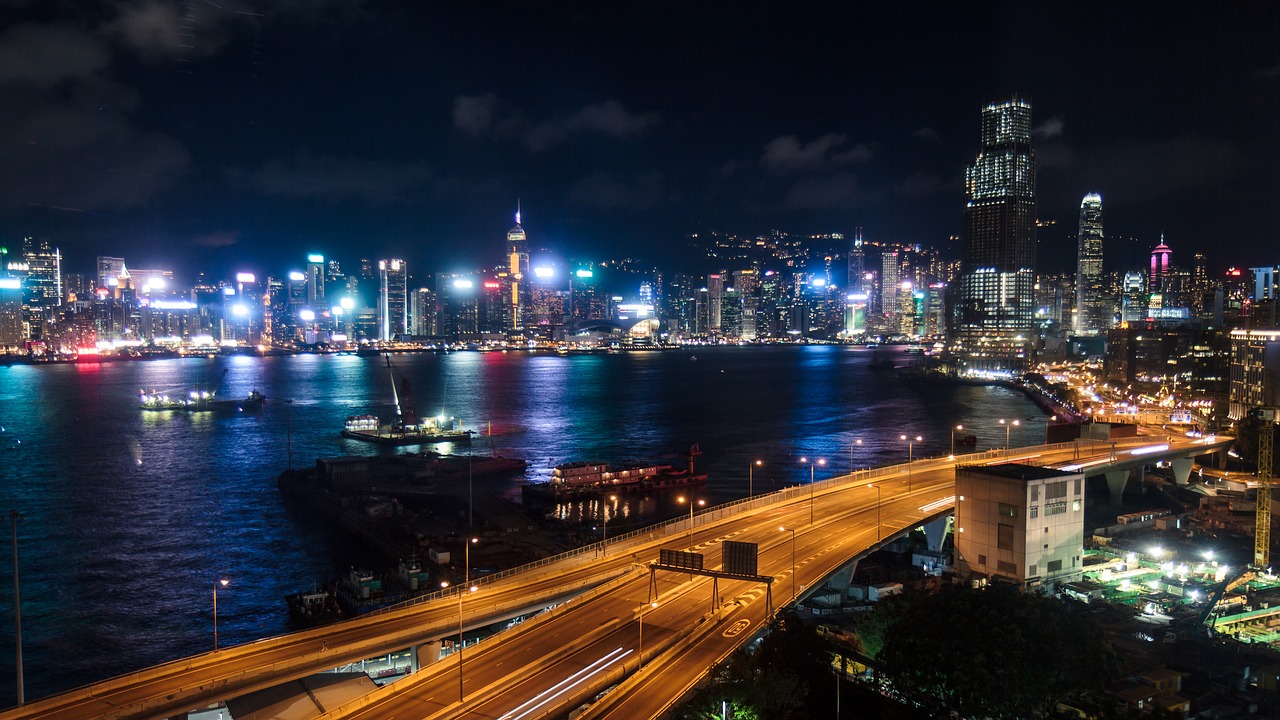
715, 300
1160, 264
393, 290
997, 280
315, 280
889, 288
1091, 302
857, 265
518, 267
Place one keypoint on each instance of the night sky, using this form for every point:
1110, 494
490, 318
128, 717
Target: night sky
375, 129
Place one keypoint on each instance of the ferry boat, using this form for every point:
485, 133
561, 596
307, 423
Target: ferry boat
199, 400
406, 428
370, 428
592, 478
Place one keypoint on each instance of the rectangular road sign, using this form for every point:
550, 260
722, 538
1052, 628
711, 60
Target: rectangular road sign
740, 557
680, 559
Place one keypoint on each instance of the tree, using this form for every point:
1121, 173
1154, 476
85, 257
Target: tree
994, 653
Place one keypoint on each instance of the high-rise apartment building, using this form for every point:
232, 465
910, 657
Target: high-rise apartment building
518, 267
1255, 371
1092, 309
393, 290
997, 282
889, 286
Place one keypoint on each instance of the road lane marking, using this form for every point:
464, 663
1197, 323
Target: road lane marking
529, 706
736, 628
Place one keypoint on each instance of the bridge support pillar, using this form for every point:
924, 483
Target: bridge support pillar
427, 653
936, 532
1181, 470
842, 578
1116, 480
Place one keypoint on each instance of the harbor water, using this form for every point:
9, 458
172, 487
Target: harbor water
130, 517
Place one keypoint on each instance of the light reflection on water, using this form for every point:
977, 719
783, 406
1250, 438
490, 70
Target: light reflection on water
131, 516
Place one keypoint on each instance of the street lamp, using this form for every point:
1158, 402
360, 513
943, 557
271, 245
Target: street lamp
852, 445
793, 559
604, 514
878, 535
216, 583
911, 441
700, 503
750, 479
811, 463
640, 650
953, 438
1007, 427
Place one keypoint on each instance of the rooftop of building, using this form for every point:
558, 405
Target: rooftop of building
1015, 471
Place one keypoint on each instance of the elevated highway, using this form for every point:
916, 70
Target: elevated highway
567, 656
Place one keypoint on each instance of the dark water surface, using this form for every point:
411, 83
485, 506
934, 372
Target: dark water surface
130, 517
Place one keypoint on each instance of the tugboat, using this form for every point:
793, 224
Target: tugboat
199, 400
406, 428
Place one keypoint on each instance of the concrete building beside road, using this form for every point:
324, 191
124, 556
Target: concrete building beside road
1020, 524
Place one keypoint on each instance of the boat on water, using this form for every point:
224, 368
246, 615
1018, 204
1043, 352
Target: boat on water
201, 400
359, 592
598, 478
406, 428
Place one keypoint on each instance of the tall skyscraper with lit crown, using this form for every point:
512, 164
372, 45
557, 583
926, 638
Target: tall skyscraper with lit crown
518, 267
997, 282
1091, 301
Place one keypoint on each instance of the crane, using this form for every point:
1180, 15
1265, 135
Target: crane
1262, 523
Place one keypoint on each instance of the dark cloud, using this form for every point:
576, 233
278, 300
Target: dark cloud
331, 178
225, 238
1048, 130
1158, 169
46, 55
637, 191
836, 191
919, 185
609, 119
1054, 155
79, 148
927, 134
786, 154
473, 114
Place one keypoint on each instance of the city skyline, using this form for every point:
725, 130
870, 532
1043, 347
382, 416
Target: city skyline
325, 126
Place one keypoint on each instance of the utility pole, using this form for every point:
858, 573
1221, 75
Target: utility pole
15, 516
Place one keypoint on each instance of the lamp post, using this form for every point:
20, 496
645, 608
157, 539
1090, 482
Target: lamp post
604, 514
1052, 419
811, 463
700, 503
793, 560
640, 650
750, 477
462, 591
878, 532
953, 438
216, 583
1007, 427
15, 516
852, 445
910, 458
